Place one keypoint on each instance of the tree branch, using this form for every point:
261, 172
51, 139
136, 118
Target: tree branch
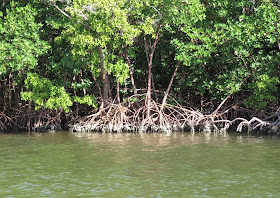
61, 11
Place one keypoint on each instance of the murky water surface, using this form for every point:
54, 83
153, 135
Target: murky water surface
65, 164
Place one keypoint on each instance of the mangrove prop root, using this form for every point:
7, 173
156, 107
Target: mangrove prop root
27, 119
125, 117
131, 116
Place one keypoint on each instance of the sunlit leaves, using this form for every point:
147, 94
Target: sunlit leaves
20, 43
44, 93
233, 41
87, 99
263, 88
220, 43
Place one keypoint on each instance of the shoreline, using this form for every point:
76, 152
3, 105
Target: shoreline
131, 117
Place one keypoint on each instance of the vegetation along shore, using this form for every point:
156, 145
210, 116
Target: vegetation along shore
140, 65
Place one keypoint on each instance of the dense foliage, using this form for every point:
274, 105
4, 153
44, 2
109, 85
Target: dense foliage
72, 56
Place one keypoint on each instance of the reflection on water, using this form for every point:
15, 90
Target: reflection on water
163, 139
67, 164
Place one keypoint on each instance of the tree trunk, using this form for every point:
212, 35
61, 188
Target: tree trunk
182, 80
104, 77
82, 80
130, 71
100, 93
169, 87
118, 92
10, 89
148, 61
150, 74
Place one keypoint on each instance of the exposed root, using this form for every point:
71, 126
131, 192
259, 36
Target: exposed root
27, 119
126, 117
131, 116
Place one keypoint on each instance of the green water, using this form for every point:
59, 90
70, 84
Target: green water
66, 164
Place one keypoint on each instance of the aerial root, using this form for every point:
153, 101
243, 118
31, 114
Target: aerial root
131, 116
28, 119
125, 117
